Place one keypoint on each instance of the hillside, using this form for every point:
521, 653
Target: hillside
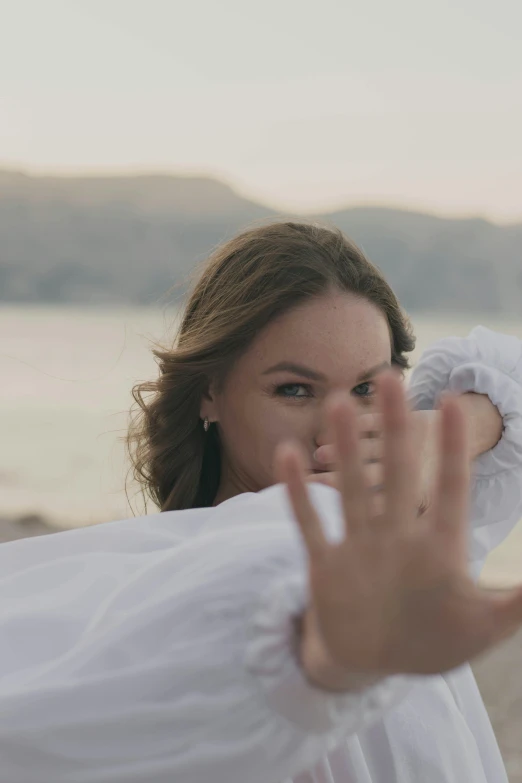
129, 239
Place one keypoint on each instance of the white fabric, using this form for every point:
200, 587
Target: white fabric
162, 649
485, 362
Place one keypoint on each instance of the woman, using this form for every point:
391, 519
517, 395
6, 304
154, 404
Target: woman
219, 641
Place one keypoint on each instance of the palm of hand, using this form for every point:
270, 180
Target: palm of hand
414, 608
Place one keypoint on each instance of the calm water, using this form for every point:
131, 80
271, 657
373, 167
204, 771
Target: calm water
66, 376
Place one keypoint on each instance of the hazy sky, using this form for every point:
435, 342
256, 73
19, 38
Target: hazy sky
304, 104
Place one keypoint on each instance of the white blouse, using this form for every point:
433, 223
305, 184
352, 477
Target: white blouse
162, 649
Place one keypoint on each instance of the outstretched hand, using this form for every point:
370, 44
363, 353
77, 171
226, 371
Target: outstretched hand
394, 596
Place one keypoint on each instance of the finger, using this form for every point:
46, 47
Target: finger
491, 616
326, 455
370, 425
370, 430
451, 499
354, 494
377, 505
400, 468
290, 469
373, 477
372, 450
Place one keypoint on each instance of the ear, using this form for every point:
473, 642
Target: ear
208, 407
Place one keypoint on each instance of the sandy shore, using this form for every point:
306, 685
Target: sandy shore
499, 676
498, 673
12, 528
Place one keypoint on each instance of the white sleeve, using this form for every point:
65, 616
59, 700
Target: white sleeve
485, 362
176, 664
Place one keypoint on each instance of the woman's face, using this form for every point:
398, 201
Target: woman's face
277, 389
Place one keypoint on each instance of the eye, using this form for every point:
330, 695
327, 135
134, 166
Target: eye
368, 390
289, 390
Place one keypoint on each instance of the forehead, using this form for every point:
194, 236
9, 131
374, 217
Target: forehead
335, 334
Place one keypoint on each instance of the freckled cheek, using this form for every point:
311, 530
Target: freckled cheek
255, 429
272, 428
280, 422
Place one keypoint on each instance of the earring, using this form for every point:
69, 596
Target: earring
206, 424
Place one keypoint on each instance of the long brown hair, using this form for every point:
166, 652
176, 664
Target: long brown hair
247, 282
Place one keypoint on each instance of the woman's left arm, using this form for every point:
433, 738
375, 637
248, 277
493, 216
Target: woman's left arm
485, 423
486, 364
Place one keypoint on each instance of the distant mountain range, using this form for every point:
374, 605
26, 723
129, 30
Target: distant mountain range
129, 239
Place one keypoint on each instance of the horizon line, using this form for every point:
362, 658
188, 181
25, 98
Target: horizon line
118, 172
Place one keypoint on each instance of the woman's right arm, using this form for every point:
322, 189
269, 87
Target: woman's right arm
181, 663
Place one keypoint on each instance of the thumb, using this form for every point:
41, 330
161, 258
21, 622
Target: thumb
506, 610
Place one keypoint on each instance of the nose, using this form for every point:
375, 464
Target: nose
324, 432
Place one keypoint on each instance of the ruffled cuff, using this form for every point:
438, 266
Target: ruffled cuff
272, 660
485, 362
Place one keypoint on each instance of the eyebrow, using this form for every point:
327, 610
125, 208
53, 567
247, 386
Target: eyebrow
307, 372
